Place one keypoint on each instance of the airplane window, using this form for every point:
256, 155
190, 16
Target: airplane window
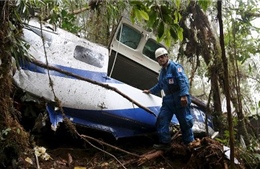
150, 47
129, 36
89, 56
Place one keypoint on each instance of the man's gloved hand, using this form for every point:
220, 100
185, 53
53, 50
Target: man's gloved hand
184, 101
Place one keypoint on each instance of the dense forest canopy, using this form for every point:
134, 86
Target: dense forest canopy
190, 29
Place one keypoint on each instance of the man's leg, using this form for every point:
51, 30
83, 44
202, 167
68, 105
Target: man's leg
162, 125
186, 122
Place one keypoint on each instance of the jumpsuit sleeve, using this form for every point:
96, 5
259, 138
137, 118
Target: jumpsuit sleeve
182, 80
158, 87
155, 89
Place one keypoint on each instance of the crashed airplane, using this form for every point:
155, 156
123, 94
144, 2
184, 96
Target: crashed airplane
97, 87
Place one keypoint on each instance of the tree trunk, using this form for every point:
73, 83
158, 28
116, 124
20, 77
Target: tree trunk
226, 84
202, 42
5, 67
236, 96
13, 138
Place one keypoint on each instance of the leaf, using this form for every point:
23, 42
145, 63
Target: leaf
177, 17
180, 33
165, 10
167, 38
144, 15
138, 15
18, 131
168, 19
152, 19
174, 32
161, 29
177, 3
166, 15
156, 23
137, 4
250, 68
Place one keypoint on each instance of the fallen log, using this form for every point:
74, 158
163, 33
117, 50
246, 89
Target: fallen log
176, 149
149, 156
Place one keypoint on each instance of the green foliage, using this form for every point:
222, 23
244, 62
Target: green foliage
60, 14
241, 38
114, 10
225, 139
68, 22
226, 136
57, 12
250, 158
242, 45
160, 30
204, 4
141, 14
162, 17
139, 11
14, 45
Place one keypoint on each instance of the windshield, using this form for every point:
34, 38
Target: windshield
132, 37
129, 36
150, 47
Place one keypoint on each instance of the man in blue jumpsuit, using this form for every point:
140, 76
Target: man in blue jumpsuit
175, 85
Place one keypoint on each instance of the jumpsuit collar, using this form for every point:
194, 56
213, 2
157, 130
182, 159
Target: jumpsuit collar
168, 63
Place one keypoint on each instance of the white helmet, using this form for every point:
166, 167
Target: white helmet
160, 51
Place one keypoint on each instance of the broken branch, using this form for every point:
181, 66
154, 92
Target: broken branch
41, 64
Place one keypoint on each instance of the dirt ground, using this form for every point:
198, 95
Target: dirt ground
67, 152
64, 151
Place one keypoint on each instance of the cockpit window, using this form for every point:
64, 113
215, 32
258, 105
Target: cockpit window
150, 47
129, 36
89, 56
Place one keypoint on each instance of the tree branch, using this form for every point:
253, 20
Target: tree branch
41, 64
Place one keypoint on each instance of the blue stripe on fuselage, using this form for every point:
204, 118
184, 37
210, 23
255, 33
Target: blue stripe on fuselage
100, 77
